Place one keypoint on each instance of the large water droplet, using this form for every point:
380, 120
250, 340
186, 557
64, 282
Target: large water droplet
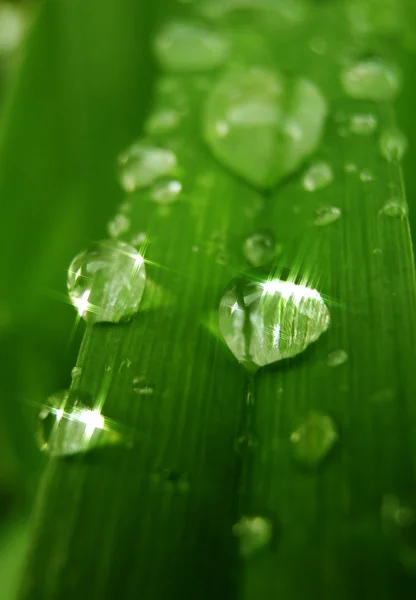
166, 191
371, 79
266, 321
106, 281
393, 145
162, 121
187, 46
318, 176
313, 439
118, 225
363, 124
142, 164
259, 248
67, 427
327, 215
394, 208
254, 532
263, 125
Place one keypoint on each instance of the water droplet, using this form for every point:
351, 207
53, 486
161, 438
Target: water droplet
254, 532
142, 164
267, 320
106, 281
76, 372
69, 427
313, 439
143, 387
371, 79
398, 520
394, 208
327, 215
118, 225
350, 168
366, 176
189, 46
163, 121
262, 125
337, 357
363, 124
139, 239
125, 207
393, 145
259, 248
377, 251
166, 191
12, 27
318, 176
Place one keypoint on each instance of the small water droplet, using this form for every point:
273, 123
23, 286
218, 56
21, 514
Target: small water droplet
143, 164
166, 191
371, 79
259, 248
286, 119
363, 124
377, 251
143, 387
317, 177
106, 281
336, 358
366, 176
327, 215
350, 168
313, 439
118, 225
190, 46
67, 426
254, 532
393, 145
163, 121
394, 208
318, 45
76, 372
264, 320
139, 239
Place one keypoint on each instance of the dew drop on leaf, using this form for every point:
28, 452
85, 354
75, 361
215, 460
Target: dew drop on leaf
183, 47
76, 372
398, 521
166, 191
254, 533
313, 439
142, 164
336, 358
142, 387
363, 124
366, 176
317, 177
371, 79
118, 225
327, 215
394, 208
263, 125
68, 427
162, 121
259, 248
393, 145
106, 281
264, 321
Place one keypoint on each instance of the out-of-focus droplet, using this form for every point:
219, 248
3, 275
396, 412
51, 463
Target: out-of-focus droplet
327, 215
106, 281
394, 208
182, 46
118, 225
317, 177
254, 533
371, 79
266, 321
68, 427
142, 386
259, 248
143, 164
337, 357
76, 372
166, 191
163, 121
12, 27
261, 124
393, 145
366, 176
313, 439
363, 123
